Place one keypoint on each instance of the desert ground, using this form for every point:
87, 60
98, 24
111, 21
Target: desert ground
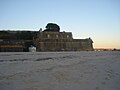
84, 70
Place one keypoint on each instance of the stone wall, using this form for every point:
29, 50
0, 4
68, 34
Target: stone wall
61, 41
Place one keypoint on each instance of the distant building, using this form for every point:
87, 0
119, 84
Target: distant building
61, 41
11, 46
50, 39
16, 41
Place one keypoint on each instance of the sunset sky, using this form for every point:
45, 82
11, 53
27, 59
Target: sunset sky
98, 19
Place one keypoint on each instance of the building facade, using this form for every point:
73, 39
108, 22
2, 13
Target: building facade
51, 39
11, 46
61, 41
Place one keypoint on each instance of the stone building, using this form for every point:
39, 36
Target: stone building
16, 40
48, 40
11, 46
51, 39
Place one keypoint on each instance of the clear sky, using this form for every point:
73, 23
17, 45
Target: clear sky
98, 19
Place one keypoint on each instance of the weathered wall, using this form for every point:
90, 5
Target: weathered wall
61, 41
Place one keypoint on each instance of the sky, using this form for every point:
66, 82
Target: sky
98, 19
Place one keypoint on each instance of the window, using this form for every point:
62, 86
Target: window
67, 36
56, 36
48, 35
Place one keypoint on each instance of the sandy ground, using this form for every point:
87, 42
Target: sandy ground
93, 70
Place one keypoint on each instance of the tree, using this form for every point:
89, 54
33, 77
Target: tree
52, 27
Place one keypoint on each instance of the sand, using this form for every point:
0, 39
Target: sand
92, 70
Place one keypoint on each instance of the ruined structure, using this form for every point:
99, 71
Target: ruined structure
11, 46
52, 40
16, 41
